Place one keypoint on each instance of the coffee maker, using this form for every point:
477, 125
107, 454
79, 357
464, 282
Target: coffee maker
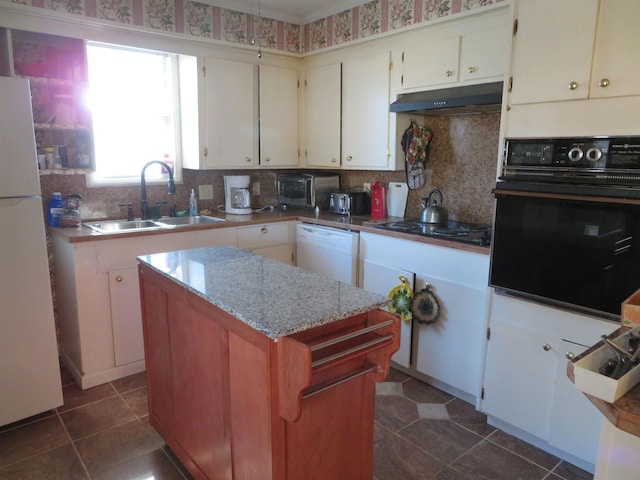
236, 193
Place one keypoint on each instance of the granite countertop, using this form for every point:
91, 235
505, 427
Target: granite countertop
274, 298
360, 223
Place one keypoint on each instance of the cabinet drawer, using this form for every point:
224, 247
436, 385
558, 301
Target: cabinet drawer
263, 235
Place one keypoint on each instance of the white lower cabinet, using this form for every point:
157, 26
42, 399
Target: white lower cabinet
448, 351
381, 279
273, 240
526, 388
99, 317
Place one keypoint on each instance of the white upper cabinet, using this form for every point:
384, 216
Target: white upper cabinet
616, 58
278, 116
230, 114
483, 55
231, 95
473, 50
430, 63
365, 112
323, 96
574, 50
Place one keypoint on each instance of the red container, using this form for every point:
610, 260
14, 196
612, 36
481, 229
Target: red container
378, 201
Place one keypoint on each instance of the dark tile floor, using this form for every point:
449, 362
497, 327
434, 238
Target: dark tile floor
420, 433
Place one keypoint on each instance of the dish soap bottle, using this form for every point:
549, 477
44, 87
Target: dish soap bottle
193, 204
55, 209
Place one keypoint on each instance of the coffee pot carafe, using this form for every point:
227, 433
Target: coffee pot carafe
237, 196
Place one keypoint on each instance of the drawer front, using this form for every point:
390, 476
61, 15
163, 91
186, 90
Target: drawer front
263, 235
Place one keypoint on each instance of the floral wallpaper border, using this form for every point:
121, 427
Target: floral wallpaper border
196, 19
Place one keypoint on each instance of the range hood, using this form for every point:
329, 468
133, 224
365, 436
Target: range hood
483, 98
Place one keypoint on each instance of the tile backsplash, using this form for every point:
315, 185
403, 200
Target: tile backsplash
462, 164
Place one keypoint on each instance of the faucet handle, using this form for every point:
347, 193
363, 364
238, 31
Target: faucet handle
129, 210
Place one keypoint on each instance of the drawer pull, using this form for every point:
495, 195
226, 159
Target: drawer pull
351, 350
340, 381
333, 341
119, 278
264, 230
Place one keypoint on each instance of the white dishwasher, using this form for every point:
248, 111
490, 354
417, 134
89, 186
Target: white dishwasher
331, 252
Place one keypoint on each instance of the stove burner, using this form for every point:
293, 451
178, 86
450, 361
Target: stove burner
462, 232
451, 232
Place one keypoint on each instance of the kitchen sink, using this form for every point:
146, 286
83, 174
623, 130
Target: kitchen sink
197, 220
120, 226
123, 225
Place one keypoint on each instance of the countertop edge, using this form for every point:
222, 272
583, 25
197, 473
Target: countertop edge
356, 223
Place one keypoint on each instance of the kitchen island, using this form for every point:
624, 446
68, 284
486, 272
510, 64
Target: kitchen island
257, 369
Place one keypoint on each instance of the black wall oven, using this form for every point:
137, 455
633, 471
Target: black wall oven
567, 222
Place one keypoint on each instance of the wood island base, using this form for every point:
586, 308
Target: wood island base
232, 403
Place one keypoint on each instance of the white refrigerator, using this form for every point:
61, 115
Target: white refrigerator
29, 369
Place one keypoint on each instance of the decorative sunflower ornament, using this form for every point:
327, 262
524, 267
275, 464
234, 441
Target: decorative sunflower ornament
424, 306
401, 299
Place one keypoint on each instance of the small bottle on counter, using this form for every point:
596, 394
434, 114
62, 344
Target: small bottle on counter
55, 210
193, 204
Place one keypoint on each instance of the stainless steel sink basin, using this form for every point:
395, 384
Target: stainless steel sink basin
119, 226
183, 221
123, 225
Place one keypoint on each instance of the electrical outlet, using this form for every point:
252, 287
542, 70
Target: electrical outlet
367, 186
256, 189
205, 192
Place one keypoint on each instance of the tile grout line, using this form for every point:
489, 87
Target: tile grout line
73, 445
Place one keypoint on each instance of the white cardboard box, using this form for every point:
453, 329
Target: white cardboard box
588, 379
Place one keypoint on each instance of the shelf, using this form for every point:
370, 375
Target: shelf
53, 126
66, 171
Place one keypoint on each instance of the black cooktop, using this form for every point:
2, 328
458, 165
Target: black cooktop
475, 233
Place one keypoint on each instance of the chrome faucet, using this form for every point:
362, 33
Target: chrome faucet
143, 185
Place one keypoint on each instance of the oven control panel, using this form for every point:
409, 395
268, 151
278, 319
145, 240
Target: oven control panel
585, 159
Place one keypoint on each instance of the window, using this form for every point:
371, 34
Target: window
133, 97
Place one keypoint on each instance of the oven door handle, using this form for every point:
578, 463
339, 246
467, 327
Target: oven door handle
563, 196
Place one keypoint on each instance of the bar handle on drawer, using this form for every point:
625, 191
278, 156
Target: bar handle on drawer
348, 351
340, 381
348, 336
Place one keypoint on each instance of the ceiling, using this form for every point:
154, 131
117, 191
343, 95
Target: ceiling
292, 11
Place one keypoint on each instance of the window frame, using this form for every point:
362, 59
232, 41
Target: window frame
92, 180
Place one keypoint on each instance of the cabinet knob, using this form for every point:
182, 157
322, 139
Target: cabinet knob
248, 159
546, 347
448, 73
267, 159
264, 230
119, 278
573, 85
349, 158
605, 82
570, 355
333, 160
471, 69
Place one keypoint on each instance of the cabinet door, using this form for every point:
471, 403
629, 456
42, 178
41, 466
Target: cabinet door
278, 116
616, 60
381, 279
126, 317
552, 49
521, 368
430, 63
456, 336
576, 421
365, 111
230, 114
323, 98
484, 55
